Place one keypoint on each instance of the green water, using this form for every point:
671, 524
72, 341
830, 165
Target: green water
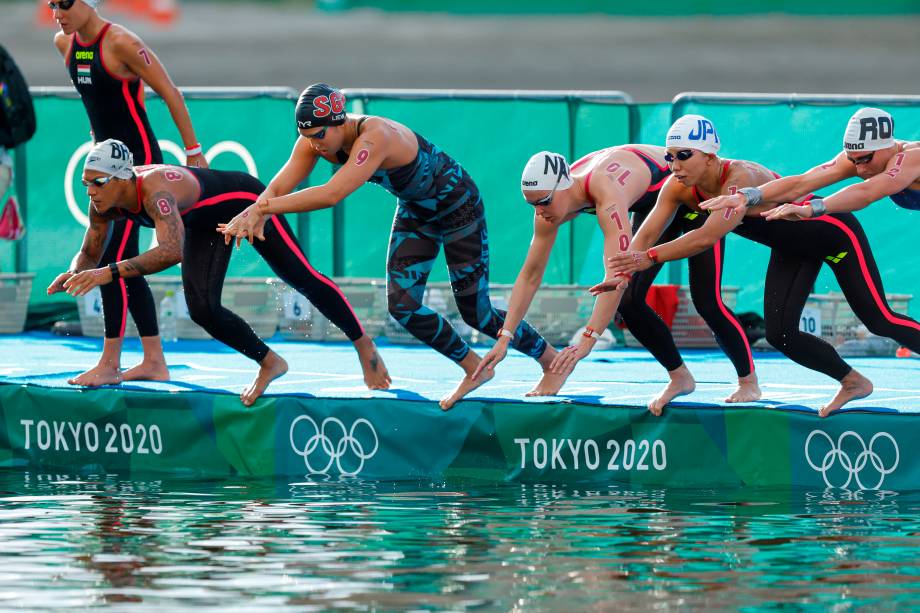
238, 545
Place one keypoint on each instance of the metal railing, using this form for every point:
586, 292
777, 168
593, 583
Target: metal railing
791, 99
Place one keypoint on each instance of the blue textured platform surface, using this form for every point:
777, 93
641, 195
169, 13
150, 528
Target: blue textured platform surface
619, 377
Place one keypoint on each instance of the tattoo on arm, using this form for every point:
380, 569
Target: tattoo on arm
624, 232
93, 241
162, 208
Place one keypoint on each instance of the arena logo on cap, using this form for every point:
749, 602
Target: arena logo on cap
324, 105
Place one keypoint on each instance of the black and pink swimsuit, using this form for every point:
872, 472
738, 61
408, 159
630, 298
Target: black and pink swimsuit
223, 195
115, 107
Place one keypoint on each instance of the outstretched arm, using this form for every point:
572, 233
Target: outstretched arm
902, 170
162, 208
658, 219
367, 154
649, 232
613, 217
90, 251
298, 167
716, 226
525, 288
249, 224
693, 242
788, 189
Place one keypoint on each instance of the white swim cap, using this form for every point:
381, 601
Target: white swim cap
111, 157
546, 171
869, 129
94, 4
693, 132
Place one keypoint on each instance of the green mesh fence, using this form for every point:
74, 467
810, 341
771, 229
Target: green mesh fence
492, 134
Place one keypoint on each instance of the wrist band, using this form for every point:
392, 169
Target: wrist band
591, 333
652, 255
818, 208
507, 333
753, 194
193, 150
116, 274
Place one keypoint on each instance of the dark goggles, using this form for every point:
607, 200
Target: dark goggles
863, 159
60, 4
547, 199
98, 181
317, 135
683, 155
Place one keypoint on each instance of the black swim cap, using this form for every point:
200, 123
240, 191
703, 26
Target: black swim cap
320, 105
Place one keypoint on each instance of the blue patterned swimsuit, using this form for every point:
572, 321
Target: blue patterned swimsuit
439, 204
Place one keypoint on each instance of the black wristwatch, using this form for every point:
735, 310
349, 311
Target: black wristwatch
114, 268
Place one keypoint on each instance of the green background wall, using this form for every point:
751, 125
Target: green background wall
492, 139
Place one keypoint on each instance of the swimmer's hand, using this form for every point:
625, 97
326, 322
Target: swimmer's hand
736, 202
197, 161
790, 211
81, 283
609, 285
496, 354
566, 360
629, 262
250, 224
58, 284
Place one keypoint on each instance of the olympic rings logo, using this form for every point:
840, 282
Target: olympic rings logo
866, 455
167, 146
321, 443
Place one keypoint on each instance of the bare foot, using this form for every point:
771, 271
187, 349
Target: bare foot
98, 375
147, 371
271, 367
852, 387
376, 376
748, 390
681, 384
549, 354
467, 384
549, 385
463, 388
